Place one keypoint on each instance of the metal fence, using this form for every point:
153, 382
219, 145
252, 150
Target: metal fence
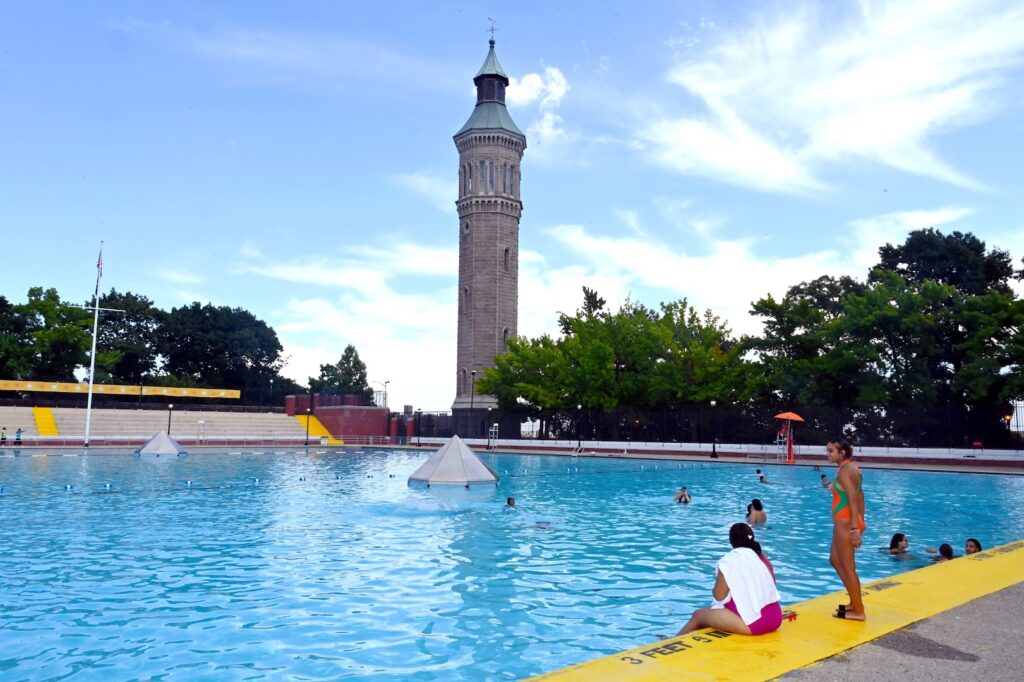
995, 426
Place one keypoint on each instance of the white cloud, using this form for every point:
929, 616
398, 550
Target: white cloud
869, 234
793, 94
179, 276
550, 140
548, 89
326, 57
407, 337
439, 190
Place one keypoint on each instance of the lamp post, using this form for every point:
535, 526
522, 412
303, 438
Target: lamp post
488, 425
385, 385
419, 425
472, 395
170, 409
714, 432
307, 427
270, 400
579, 430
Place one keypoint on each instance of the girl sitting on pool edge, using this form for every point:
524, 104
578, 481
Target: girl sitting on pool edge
746, 599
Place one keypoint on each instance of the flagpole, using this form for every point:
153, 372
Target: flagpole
92, 355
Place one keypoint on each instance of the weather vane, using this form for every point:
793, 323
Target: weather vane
492, 29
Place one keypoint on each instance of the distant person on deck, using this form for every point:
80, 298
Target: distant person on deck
17, 436
3, 435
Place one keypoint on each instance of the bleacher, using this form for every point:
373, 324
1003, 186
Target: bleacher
118, 426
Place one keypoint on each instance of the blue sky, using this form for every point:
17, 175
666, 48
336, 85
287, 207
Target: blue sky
295, 159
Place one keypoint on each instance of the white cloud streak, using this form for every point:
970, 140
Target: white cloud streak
796, 93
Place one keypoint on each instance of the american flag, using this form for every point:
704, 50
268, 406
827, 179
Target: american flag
99, 274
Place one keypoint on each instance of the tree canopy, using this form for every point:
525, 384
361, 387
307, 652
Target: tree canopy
345, 377
928, 349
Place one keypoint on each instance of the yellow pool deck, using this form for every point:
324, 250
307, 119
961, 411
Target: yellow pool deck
811, 633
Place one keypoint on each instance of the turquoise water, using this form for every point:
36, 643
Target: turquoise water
331, 567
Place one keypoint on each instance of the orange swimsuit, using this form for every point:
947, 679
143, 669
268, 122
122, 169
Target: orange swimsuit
841, 501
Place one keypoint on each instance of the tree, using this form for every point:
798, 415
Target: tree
57, 334
127, 341
15, 343
958, 259
346, 377
220, 347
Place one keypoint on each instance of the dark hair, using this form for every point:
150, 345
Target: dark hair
824, 476
510, 500
756, 504
946, 551
897, 538
758, 471
976, 543
740, 535
843, 445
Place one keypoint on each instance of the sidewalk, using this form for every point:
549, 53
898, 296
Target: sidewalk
982, 640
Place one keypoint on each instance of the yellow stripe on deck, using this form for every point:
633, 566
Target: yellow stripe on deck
813, 633
46, 425
317, 428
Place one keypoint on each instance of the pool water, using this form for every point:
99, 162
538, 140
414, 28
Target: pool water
329, 566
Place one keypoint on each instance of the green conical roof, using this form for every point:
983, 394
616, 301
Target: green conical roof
491, 66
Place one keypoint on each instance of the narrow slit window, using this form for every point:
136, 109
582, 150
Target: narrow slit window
508, 258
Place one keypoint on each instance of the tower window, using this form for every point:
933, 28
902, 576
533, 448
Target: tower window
462, 381
469, 177
504, 340
512, 179
508, 257
483, 174
504, 178
464, 300
465, 228
490, 175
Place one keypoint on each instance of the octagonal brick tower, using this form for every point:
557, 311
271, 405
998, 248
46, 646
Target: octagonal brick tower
490, 150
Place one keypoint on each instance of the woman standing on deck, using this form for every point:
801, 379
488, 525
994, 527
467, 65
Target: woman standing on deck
848, 525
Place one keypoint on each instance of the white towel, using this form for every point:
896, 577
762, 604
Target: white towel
750, 583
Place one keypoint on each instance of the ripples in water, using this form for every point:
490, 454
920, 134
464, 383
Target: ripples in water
326, 567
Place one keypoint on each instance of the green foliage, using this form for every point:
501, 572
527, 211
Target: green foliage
346, 377
57, 333
634, 357
220, 346
958, 259
127, 343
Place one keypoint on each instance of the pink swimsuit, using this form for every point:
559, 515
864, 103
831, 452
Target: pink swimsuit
771, 615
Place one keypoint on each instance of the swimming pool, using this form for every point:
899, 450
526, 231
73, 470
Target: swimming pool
329, 566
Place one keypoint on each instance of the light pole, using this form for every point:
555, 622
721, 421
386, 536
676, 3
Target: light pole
170, 409
419, 425
307, 427
488, 425
714, 432
472, 395
579, 430
270, 400
385, 385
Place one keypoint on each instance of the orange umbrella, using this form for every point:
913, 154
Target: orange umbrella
793, 416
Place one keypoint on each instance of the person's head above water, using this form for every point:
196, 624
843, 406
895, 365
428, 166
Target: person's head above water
510, 502
741, 535
898, 542
946, 551
756, 504
972, 546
